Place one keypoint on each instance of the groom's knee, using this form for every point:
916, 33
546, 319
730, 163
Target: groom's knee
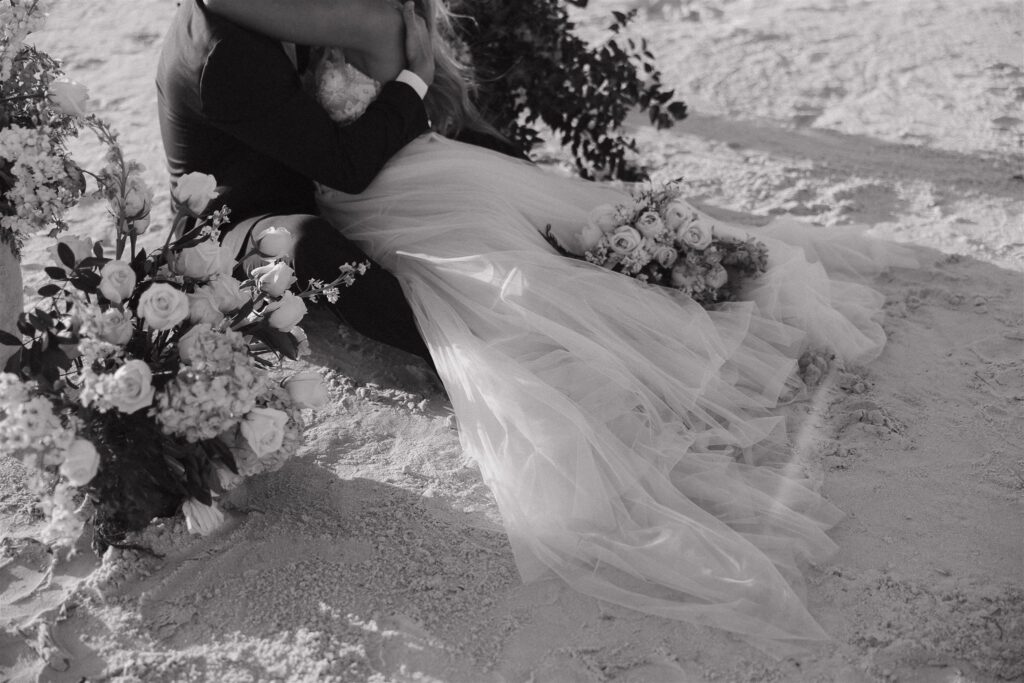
316, 249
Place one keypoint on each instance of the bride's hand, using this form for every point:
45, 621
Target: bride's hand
419, 50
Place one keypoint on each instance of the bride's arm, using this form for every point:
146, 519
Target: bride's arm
373, 33
363, 25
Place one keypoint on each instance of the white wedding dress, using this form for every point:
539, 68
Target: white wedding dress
627, 434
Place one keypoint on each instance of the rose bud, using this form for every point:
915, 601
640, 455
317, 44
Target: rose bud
138, 197
274, 279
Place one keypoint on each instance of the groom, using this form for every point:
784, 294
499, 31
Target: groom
231, 105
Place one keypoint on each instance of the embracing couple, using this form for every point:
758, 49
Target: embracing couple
629, 435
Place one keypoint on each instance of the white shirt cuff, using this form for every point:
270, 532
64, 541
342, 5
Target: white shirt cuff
414, 81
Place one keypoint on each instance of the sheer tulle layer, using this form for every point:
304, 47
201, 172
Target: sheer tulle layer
627, 434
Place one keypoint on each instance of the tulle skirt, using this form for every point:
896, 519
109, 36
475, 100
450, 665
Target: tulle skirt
629, 436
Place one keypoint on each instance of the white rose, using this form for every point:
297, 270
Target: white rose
195, 191
202, 308
113, 326
286, 312
227, 292
138, 197
695, 236
307, 389
665, 256
625, 239
201, 519
81, 248
716, 277
263, 430
199, 262
117, 281
133, 387
301, 340
70, 97
677, 215
604, 217
589, 238
81, 461
650, 224
162, 306
186, 345
274, 279
273, 242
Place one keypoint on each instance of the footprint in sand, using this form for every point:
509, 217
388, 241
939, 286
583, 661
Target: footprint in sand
1000, 348
1003, 373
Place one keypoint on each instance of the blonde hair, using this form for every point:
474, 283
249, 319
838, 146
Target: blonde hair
448, 100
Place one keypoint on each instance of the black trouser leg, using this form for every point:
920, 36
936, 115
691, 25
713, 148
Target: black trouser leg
374, 305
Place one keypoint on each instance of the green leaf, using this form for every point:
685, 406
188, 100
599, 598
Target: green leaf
174, 465
8, 339
14, 362
279, 341
24, 326
40, 320
67, 257
93, 262
87, 280
49, 290
56, 273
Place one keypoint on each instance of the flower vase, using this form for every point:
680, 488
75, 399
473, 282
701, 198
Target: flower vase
12, 298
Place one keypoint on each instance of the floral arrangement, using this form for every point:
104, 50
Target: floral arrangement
660, 239
141, 383
144, 380
538, 77
40, 110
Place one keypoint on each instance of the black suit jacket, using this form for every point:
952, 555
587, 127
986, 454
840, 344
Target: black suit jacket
231, 104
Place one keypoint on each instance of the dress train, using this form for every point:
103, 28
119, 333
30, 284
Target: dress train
630, 437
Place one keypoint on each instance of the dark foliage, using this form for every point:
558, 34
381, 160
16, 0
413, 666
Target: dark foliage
532, 69
137, 479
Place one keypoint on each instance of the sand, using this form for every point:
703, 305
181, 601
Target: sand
378, 554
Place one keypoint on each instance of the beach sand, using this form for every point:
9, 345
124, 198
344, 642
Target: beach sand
378, 553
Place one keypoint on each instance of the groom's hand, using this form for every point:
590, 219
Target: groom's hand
419, 50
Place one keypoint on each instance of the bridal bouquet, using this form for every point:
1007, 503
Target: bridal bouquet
660, 239
143, 383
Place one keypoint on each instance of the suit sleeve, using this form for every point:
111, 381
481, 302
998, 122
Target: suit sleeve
251, 92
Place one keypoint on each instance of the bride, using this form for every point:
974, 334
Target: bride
630, 437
